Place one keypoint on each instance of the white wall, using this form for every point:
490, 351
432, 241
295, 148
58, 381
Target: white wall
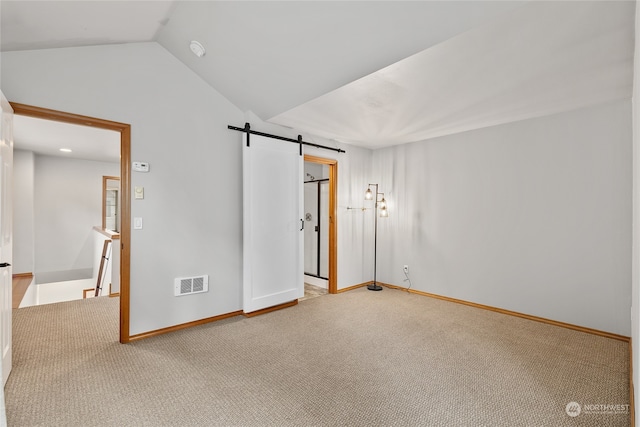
316, 170
531, 216
23, 222
192, 209
68, 204
635, 283
193, 193
354, 226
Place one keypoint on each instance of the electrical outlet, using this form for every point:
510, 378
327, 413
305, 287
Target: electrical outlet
406, 269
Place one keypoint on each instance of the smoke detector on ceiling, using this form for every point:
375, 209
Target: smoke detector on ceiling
197, 48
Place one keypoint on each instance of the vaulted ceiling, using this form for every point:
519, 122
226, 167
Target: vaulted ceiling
369, 73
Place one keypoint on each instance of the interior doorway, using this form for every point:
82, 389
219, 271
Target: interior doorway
320, 261
316, 220
125, 189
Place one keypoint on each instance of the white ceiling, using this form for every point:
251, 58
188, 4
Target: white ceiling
539, 59
47, 137
49, 24
269, 57
371, 73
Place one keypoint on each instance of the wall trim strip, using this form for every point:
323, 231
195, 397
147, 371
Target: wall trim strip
515, 313
270, 309
162, 331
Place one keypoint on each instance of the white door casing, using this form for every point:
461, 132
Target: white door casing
6, 179
272, 223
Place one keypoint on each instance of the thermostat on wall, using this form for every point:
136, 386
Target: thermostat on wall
141, 166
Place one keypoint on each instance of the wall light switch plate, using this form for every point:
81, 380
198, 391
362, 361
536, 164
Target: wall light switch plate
139, 192
137, 223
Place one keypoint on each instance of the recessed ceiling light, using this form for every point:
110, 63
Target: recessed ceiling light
197, 48
66, 150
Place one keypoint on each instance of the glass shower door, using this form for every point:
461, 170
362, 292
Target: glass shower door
316, 230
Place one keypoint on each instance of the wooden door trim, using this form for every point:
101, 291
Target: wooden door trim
333, 218
106, 178
125, 188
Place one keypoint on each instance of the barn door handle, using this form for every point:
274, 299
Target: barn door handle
302, 224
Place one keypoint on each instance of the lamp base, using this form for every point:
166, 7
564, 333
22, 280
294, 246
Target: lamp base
374, 287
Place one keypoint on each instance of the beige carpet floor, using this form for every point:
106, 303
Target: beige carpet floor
358, 358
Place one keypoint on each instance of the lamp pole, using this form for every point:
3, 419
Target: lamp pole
374, 286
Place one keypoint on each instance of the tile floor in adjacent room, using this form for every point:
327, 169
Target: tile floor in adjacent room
311, 291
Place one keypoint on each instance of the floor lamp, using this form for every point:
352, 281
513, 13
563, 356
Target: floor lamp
382, 205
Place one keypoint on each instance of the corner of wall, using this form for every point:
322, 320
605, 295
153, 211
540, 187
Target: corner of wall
635, 274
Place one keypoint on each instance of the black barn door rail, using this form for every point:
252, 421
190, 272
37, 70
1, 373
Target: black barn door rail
248, 131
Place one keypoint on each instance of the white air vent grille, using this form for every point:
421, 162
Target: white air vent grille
191, 285
198, 284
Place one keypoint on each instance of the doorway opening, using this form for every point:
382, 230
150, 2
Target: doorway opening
125, 190
321, 253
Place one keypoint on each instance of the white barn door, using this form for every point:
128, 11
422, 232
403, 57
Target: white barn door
272, 223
